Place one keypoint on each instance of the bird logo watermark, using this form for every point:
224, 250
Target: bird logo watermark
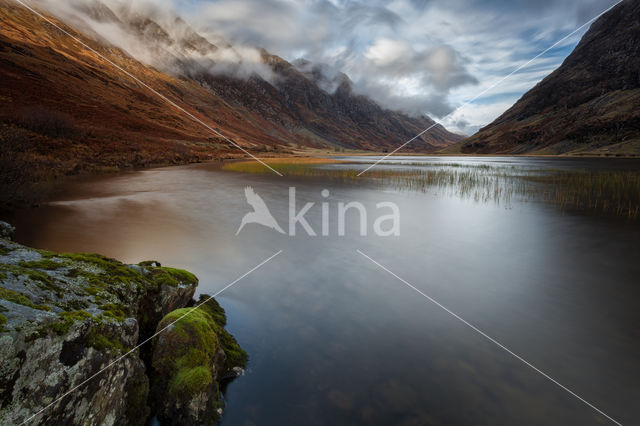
385, 225
260, 214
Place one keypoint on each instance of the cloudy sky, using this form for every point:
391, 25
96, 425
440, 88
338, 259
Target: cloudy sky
422, 56
436, 57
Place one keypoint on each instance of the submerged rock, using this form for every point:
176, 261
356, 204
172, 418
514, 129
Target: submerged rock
65, 317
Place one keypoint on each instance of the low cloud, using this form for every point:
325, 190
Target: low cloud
154, 34
340, 36
418, 56
414, 81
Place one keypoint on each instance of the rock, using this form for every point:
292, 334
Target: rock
189, 359
64, 318
41, 370
6, 231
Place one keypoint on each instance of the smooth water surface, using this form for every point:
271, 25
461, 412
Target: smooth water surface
335, 339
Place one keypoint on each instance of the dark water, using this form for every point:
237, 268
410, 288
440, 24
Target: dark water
334, 339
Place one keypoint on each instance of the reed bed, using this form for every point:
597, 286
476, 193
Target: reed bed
614, 193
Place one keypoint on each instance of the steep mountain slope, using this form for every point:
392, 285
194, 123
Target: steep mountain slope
591, 104
65, 109
341, 118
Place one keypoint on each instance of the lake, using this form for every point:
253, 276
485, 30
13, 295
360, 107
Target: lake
335, 339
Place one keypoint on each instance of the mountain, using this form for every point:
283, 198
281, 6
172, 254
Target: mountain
589, 105
65, 109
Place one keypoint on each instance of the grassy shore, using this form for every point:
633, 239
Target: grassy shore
614, 193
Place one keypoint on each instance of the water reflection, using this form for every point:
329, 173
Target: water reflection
333, 339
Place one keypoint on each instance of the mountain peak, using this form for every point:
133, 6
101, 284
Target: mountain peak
590, 104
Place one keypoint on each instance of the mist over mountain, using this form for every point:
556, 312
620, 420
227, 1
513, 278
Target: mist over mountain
66, 109
154, 35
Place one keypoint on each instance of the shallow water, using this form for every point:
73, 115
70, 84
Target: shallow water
334, 339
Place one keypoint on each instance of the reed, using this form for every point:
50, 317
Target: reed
613, 193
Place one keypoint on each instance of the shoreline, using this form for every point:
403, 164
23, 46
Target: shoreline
85, 320
42, 191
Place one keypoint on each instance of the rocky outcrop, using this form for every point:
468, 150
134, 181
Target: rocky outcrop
66, 317
591, 104
189, 360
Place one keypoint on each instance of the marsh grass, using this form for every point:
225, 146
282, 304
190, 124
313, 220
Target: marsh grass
613, 192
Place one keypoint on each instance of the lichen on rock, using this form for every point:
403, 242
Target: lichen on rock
65, 317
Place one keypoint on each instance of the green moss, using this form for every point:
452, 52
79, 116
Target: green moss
116, 278
39, 276
68, 319
163, 278
187, 350
25, 269
172, 277
185, 355
4, 251
3, 321
46, 253
47, 264
101, 341
87, 257
20, 299
181, 275
45, 282
3, 276
150, 263
236, 356
115, 311
190, 381
93, 290
72, 305
211, 306
114, 272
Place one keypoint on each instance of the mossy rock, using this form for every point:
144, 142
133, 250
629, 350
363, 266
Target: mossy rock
103, 338
68, 319
185, 352
235, 355
172, 277
92, 302
33, 274
150, 263
192, 352
44, 263
20, 299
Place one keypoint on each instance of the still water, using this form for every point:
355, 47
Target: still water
334, 339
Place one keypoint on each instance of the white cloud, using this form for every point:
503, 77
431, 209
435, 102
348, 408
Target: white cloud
420, 56
385, 51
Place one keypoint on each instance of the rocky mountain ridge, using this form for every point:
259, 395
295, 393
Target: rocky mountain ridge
589, 105
66, 110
